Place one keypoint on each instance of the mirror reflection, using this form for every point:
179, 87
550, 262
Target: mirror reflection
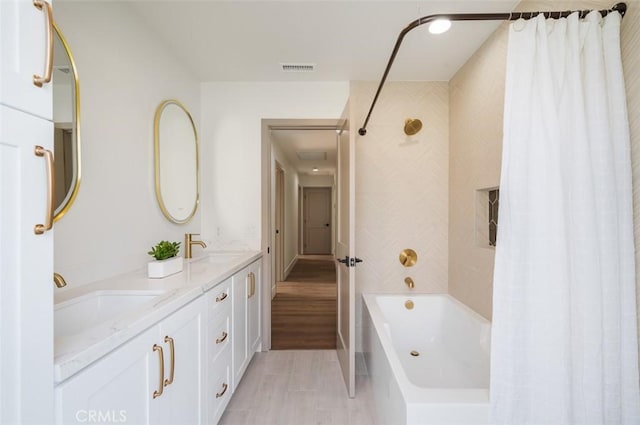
66, 118
176, 162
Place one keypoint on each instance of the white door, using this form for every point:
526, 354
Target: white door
118, 388
317, 220
253, 309
182, 339
24, 32
345, 250
240, 288
26, 271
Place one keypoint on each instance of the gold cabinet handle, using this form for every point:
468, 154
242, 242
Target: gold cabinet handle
224, 390
253, 278
249, 285
48, 155
169, 381
38, 81
221, 298
157, 393
222, 338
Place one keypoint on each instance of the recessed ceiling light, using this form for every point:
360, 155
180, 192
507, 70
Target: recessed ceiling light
315, 169
439, 26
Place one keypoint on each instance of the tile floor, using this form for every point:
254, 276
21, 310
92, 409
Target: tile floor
296, 387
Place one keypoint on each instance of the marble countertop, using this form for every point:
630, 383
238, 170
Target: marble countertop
74, 352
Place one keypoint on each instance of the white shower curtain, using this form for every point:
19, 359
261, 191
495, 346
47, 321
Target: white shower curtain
564, 340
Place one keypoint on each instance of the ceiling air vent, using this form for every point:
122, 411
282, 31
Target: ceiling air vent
298, 67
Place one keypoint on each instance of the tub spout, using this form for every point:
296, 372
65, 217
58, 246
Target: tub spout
409, 282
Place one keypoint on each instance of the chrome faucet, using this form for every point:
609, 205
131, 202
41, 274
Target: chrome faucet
188, 242
59, 280
409, 282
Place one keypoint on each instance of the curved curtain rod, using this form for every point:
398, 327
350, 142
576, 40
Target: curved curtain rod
510, 16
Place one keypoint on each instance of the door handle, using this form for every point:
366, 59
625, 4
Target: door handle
48, 224
38, 81
327, 224
224, 390
222, 297
344, 260
172, 349
222, 338
157, 393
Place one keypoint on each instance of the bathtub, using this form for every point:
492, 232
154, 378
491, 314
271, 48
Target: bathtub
429, 364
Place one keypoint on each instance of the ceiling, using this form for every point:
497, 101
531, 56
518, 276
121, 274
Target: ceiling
307, 136
347, 40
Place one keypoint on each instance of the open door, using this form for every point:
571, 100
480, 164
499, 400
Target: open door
345, 254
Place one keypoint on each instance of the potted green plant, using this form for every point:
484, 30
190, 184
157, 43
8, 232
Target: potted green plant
166, 260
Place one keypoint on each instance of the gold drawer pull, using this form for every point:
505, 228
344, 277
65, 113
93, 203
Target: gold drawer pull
222, 338
221, 297
160, 389
39, 151
173, 360
224, 390
38, 80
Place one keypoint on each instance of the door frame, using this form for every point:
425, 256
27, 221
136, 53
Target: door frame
267, 233
279, 221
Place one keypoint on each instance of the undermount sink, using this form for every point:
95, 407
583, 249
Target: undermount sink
86, 311
217, 258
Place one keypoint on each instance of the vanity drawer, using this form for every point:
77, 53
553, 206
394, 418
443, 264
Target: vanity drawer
219, 385
219, 335
219, 300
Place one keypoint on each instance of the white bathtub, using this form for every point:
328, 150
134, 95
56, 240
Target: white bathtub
448, 383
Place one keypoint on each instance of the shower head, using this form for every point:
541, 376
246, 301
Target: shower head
412, 126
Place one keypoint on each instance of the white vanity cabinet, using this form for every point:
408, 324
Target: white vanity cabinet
23, 48
26, 258
155, 378
246, 318
219, 340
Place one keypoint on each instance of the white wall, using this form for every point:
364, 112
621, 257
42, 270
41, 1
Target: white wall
231, 132
402, 188
307, 180
124, 74
290, 231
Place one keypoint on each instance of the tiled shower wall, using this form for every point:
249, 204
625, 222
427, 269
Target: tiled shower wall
401, 188
476, 108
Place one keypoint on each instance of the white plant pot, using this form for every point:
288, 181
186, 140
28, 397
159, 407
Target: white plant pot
157, 269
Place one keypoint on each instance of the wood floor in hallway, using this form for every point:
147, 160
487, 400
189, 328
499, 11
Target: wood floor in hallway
303, 312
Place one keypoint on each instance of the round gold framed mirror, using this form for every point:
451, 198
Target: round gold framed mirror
176, 162
66, 121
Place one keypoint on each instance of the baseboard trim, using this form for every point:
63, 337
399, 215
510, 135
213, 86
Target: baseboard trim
290, 267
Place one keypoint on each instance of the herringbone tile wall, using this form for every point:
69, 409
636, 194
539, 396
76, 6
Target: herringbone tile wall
476, 108
401, 188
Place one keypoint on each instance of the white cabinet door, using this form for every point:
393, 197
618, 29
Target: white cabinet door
132, 385
254, 340
24, 41
246, 318
26, 271
182, 335
240, 287
116, 389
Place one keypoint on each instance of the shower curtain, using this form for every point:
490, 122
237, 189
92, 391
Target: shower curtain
564, 340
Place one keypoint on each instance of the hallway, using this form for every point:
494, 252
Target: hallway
303, 312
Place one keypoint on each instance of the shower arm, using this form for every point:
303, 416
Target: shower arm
508, 16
